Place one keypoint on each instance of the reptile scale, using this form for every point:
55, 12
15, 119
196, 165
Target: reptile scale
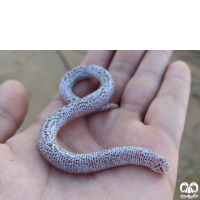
77, 107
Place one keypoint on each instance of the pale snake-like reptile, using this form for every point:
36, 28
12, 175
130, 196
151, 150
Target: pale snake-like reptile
77, 107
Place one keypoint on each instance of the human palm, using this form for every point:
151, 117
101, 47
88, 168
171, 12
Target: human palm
153, 100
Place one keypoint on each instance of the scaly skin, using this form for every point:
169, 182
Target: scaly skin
77, 107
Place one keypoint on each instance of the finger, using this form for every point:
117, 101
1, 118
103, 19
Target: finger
101, 58
168, 109
145, 83
122, 68
13, 108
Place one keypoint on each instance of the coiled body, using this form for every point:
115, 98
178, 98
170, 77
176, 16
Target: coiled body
77, 107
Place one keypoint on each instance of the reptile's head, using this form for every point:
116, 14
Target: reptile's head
162, 166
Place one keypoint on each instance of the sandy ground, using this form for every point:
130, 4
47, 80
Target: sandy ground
41, 71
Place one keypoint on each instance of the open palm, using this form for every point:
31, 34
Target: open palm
153, 99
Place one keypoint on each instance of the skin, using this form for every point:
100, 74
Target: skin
153, 98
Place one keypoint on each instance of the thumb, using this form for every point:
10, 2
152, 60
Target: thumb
13, 108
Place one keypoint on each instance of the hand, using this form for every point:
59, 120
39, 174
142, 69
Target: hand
153, 99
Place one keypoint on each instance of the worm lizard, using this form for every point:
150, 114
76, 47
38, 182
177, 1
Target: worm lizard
77, 107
